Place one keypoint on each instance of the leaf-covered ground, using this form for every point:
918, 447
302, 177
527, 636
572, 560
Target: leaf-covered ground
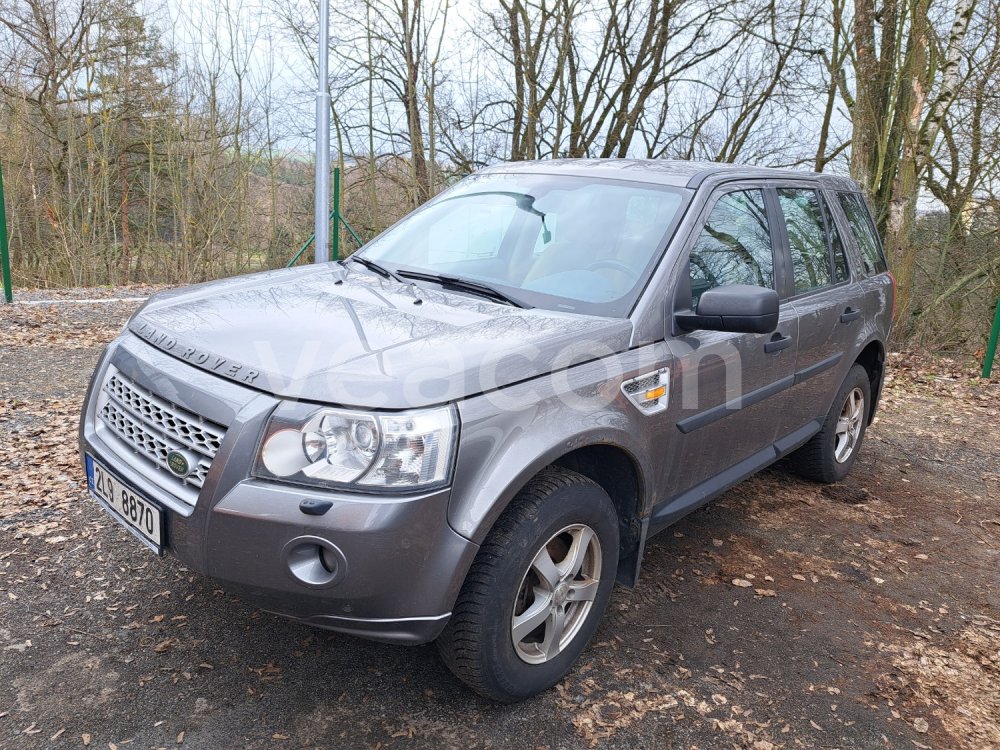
784, 615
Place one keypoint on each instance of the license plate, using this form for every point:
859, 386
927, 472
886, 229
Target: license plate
141, 516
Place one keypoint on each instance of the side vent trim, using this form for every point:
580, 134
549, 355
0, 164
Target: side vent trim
649, 392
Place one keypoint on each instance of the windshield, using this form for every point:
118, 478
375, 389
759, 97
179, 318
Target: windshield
556, 242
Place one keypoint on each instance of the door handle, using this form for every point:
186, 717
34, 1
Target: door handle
849, 315
777, 343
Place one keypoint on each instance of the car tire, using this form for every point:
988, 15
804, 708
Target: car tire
830, 454
553, 547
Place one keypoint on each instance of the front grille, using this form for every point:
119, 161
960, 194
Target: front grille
152, 428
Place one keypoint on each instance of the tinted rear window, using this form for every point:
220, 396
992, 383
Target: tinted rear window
863, 230
807, 239
836, 244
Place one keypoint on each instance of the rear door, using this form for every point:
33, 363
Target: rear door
860, 233
830, 307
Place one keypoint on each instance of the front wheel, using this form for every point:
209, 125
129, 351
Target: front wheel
829, 455
537, 589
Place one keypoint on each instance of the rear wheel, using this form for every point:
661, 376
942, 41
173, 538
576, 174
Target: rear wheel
537, 589
830, 454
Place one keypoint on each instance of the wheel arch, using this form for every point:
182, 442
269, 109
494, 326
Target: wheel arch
618, 473
602, 459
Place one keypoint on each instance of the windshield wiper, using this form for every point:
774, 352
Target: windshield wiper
465, 285
375, 267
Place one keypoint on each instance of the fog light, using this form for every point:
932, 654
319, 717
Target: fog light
314, 562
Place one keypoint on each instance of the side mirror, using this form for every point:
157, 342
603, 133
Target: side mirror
736, 308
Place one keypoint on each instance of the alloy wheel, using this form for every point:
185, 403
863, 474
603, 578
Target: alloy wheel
849, 425
556, 594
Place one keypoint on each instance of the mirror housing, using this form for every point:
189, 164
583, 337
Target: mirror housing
735, 308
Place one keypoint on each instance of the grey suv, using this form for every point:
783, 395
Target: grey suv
467, 431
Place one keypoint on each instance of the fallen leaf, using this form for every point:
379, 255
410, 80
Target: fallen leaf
163, 645
742, 583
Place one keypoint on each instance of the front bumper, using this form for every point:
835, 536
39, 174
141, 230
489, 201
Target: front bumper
382, 566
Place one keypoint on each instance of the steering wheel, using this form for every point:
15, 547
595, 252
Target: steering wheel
615, 265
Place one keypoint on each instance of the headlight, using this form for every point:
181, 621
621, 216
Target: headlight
337, 447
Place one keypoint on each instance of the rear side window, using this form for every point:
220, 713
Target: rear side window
734, 246
807, 240
836, 244
863, 230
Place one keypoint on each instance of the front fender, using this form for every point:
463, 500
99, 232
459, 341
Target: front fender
510, 435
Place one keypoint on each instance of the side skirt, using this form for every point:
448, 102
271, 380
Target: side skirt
689, 501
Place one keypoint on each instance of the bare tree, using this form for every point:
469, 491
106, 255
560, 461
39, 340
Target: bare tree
132, 153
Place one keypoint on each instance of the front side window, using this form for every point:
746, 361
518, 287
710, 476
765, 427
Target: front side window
552, 241
807, 241
863, 230
734, 246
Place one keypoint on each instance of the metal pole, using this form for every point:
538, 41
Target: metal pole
8, 292
323, 138
305, 245
336, 213
991, 347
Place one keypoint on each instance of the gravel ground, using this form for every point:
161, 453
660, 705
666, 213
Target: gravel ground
784, 615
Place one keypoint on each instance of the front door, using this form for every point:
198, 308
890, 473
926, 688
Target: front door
726, 388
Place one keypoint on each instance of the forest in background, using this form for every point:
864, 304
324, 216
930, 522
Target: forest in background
171, 144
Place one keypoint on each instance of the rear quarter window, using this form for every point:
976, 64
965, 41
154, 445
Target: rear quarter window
863, 231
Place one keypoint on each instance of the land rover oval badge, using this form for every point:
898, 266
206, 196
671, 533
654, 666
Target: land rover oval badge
179, 464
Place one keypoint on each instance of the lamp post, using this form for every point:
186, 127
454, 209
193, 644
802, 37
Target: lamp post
322, 243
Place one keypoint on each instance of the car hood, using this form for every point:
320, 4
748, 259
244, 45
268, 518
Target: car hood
326, 334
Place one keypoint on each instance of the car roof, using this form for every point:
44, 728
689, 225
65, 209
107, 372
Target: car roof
673, 172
